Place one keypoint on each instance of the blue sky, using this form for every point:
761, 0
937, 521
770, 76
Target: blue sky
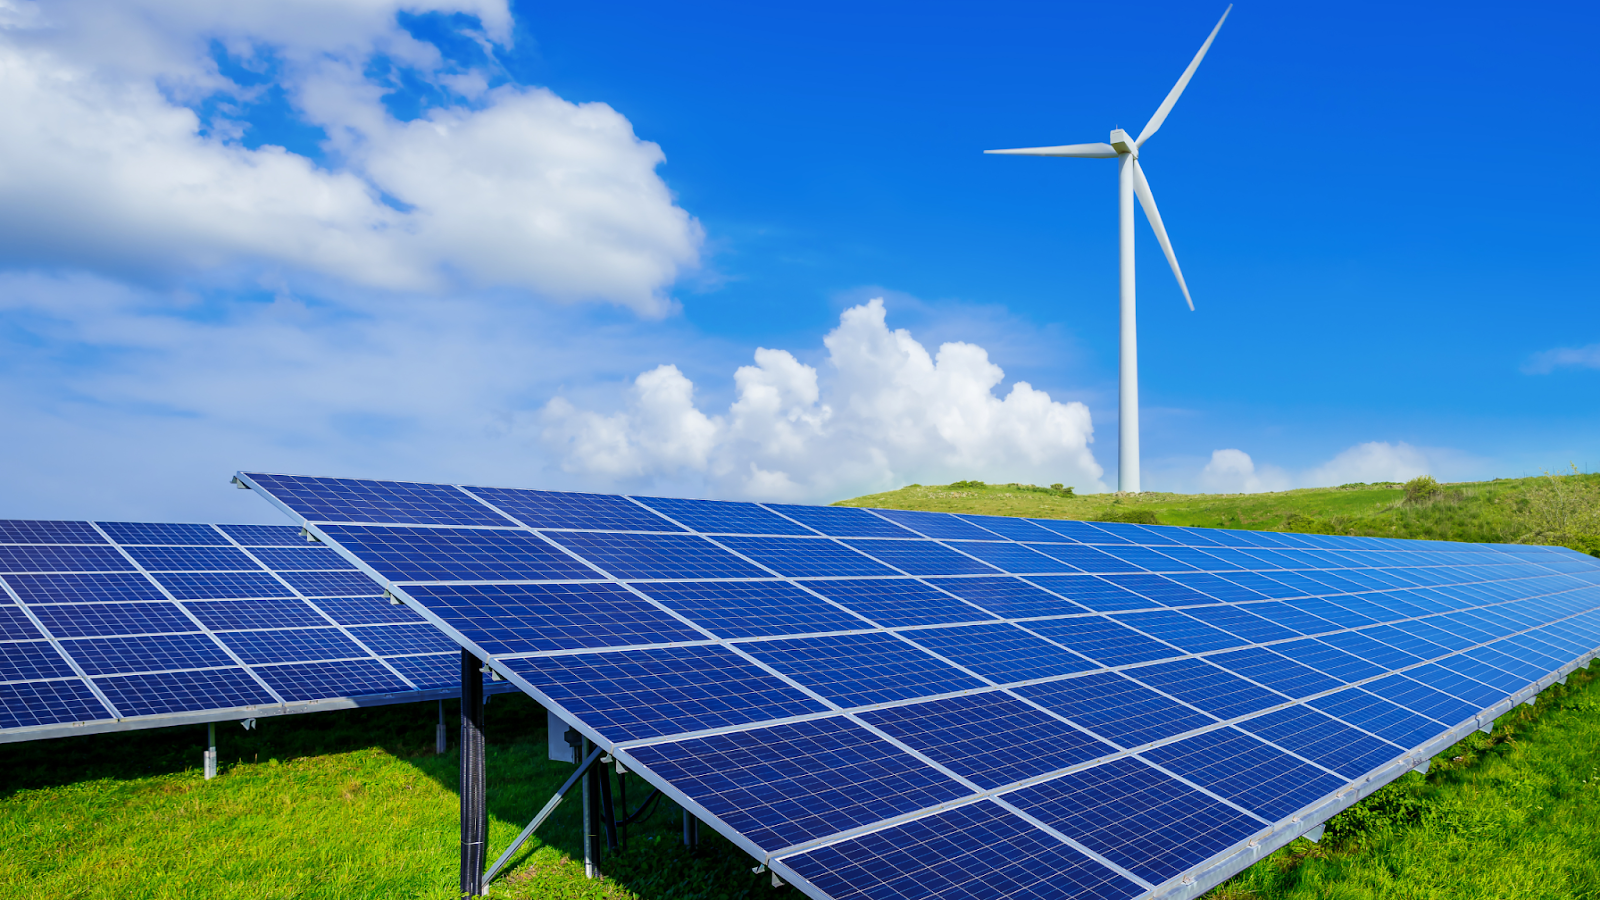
485, 224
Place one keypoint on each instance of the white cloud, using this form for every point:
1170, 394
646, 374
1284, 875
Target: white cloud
1373, 461
1547, 361
104, 165
1234, 472
887, 413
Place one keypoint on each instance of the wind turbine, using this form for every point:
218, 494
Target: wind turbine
1131, 181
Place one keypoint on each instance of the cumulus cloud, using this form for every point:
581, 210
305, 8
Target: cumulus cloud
885, 413
1370, 462
1545, 362
123, 152
1234, 472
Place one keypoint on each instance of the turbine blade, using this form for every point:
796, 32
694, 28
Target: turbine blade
1148, 201
1183, 82
1084, 151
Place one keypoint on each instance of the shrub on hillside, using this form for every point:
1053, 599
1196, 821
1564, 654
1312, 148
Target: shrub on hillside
1562, 510
1422, 489
1133, 516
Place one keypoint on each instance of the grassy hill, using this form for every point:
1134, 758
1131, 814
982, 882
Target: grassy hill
1551, 509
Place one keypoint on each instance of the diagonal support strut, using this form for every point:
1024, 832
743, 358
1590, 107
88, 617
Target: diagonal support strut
538, 820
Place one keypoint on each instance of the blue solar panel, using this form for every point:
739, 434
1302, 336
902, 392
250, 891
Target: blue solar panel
672, 690
728, 712
719, 517
1180, 631
97, 619
291, 645
806, 557
25, 531
840, 521
939, 526
150, 653
221, 585
963, 734
1001, 653
171, 692
862, 669
341, 678
127, 533
235, 615
439, 670
1150, 824
444, 554
1117, 708
193, 559
392, 502
1010, 598
1014, 558
1318, 738
332, 584
265, 535
553, 509
529, 618
82, 588
299, 559
35, 703
973, 852
898, 601
656, 555
159, 643
1015, 529
1093, 593
46, 558
1103, 640
1207, 687
1242, 769
404, 640
922, 557
786, 784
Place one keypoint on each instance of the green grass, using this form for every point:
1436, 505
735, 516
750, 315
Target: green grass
348, 804
1504, 510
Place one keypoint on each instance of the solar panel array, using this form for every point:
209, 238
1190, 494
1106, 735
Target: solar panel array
111, 625
886, 704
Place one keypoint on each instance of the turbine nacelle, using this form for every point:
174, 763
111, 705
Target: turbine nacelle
1122, 142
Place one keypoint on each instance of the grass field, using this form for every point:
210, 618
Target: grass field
356, 804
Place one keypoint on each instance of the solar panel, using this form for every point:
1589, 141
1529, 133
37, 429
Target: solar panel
115, 625
888, 705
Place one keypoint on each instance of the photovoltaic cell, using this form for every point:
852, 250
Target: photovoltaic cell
529, 618
340, 678
299, 559
656, 555
922, 557
1010, 598
444, 554
1093, 593
1085, 559
862, 669
128, 533
1242, 769
805, 557
82, 588
235, 615
786, 784
936, 525
1013, 558
962, 734
265, 535
1318, 738
47, 558
149, 653
193, 559
98, 619
897, 601
1150, 824
1014, 529
171, 692
1180, 631
36, 703
973, 852
25, 531
1000, 653
555, 509
1164, 591
1117, 708
221, 585
333, 584
720, 517
291, 645
840, 521
739, 609
1206, 687
1104, 641
392, 502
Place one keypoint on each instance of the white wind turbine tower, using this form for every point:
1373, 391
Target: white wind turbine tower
1131, 181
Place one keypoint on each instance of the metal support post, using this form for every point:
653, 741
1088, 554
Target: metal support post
591, 824
438, 734
608, 810
622, 803
474, 808
211, 750
691, 830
